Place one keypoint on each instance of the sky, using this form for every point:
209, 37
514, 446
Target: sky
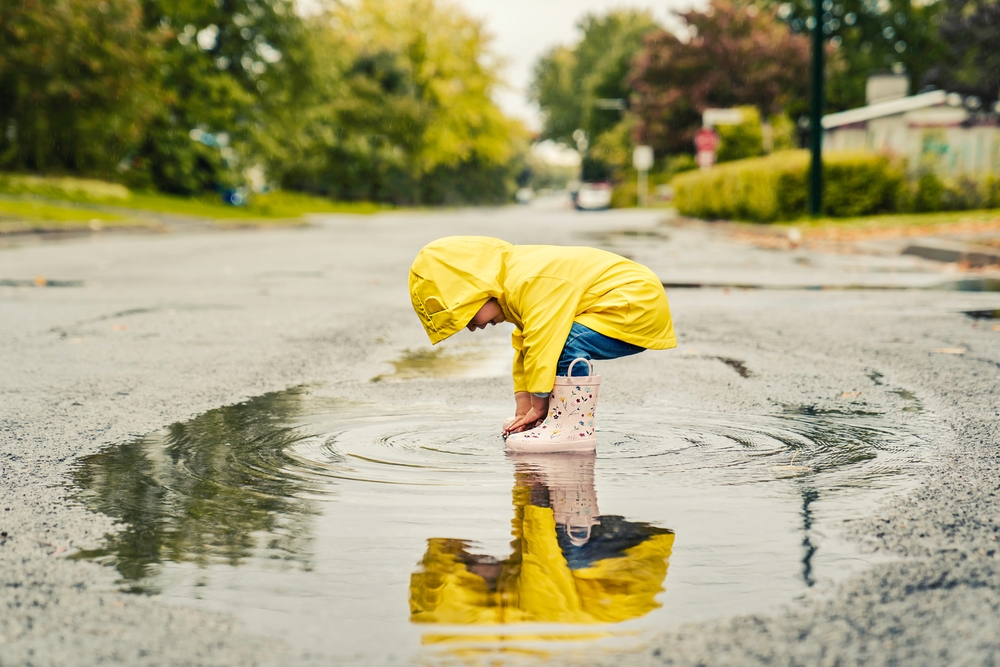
525, 29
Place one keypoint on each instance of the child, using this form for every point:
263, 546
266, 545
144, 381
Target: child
566, 303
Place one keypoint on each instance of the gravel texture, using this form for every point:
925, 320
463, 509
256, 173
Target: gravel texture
167, 326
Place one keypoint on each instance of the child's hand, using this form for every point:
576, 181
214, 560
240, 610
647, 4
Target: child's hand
538, 408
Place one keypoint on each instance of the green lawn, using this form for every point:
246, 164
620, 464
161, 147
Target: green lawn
274, 205
34, 215
34, 198
898, 220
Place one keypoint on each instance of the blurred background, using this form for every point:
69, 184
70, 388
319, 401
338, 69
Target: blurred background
363, 104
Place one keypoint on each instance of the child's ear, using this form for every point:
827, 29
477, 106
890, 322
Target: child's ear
433, 305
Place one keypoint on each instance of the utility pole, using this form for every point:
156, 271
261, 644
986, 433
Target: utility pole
816, 112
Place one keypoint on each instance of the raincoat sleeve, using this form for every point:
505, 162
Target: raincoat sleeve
517, 342
547, 306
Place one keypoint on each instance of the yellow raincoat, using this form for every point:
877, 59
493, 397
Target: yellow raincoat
536, 584
542, 290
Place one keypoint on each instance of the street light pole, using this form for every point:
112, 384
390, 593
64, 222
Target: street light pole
816, 114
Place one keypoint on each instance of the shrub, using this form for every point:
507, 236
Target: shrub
742, 141
775, 187
991, 192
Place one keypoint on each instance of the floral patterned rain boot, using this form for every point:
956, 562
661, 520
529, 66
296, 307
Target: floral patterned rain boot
569, 479
569, 426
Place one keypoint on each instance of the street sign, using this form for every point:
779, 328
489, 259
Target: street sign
705, 139
642, 158
707, 142
722, 117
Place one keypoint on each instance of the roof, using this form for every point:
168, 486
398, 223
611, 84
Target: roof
882, 109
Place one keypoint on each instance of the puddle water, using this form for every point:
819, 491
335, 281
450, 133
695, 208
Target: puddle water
962, 285
972, 285
374, 534
455, 361
984, 314
737, 365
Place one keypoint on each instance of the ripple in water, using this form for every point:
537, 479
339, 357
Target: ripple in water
375, 534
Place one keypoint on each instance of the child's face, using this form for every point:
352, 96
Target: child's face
490, 313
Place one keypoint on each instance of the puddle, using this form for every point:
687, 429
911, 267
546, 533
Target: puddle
983, 314
963, 285
374, 534
40, 282
612, 237
737, 365
453, 361
972, 285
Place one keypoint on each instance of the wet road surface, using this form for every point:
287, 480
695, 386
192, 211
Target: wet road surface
237, 448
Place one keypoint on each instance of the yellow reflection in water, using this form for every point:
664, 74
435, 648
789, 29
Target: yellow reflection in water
568, 564
468, 361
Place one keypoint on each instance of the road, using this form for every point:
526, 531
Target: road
160, 328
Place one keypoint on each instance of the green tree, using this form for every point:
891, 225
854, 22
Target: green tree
74, 92
736, 55
871, 36
227, 69
406, 113
569, 81
970, 37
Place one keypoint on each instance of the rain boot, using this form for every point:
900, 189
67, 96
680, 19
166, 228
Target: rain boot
569, 426
569, 480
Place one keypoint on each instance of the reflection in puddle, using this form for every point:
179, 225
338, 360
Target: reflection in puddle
377, 533
961, 285
455, 361
568, 563
211, 490
984, 314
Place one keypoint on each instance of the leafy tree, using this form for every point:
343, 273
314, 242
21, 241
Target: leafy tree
970, 34
871, 36
73, 84
388, 100
225, 69
737, 55
406, 114
569, 81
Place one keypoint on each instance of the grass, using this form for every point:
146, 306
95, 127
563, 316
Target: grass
896, 221
266, 209
33, 215
982, 223
273, 206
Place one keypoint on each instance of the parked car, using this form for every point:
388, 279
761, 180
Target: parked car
593, 197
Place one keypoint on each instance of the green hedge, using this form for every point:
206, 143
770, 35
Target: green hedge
775, 187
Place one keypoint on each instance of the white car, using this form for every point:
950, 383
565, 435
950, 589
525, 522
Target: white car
593, 197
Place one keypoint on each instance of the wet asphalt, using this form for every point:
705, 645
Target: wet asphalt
160, 328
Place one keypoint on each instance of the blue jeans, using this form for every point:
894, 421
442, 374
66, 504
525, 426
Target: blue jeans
588, 344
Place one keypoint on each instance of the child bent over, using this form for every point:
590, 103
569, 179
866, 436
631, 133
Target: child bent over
566, 303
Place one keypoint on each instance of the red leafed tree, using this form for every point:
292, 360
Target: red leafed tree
736, 55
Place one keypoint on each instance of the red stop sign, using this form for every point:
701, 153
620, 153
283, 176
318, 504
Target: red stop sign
706, 140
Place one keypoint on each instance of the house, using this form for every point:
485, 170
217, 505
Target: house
931, 130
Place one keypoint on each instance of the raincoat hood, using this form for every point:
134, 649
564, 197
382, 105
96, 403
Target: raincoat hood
452, 278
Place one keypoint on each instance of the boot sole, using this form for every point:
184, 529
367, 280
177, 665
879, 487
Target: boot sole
582, 445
